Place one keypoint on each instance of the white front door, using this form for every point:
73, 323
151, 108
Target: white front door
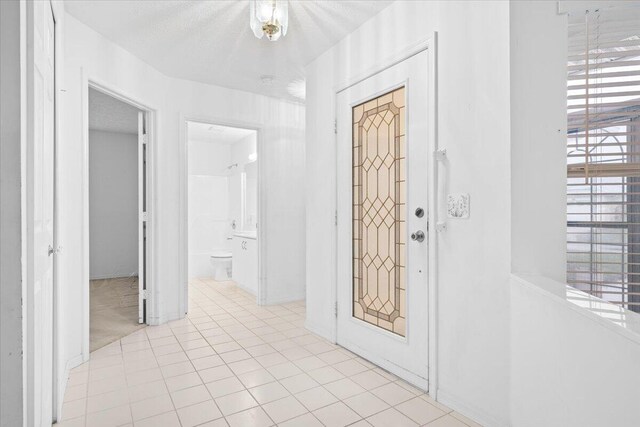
382, 219
40, 187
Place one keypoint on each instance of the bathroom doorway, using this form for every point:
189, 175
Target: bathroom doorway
223, 206
116, 170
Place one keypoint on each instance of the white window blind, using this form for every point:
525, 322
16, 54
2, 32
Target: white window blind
603, 155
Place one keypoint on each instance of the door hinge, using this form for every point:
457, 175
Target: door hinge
145, 217
335, 219
145, 138
335, 126
144, 294
335, 309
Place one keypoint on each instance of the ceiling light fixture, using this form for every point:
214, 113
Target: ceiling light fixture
267, 80
269, 18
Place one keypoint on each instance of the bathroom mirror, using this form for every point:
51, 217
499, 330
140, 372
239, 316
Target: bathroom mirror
250, 196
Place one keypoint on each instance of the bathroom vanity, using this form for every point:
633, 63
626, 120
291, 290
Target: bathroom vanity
245, 260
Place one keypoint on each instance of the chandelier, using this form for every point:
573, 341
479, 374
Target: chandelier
269, 18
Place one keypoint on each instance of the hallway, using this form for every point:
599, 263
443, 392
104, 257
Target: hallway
232, 362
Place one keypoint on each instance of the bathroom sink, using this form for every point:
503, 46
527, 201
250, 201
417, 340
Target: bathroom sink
252, 234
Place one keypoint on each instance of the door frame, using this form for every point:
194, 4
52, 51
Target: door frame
27, 125
429, 45
57, 9
151, 128
184, 203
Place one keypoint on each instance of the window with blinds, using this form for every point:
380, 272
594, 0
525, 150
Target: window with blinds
603, 155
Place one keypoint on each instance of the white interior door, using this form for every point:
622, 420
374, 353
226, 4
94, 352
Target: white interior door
40, 193
142, 217
382, 210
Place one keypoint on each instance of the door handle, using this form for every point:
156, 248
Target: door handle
418, 236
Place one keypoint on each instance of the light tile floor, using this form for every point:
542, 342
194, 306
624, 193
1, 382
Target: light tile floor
234, 363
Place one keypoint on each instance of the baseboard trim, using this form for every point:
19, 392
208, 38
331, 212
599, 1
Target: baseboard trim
246, 289
62, 381
320, 331
114, 276
160, 320
470, 411
284, 299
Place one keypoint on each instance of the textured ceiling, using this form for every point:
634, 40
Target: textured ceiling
108, 114
211, 42
204, 132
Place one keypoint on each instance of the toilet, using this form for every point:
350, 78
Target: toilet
221, 262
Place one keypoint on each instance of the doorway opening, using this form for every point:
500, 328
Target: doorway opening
222, 205
117, 192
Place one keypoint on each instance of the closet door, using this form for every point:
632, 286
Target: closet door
40, 211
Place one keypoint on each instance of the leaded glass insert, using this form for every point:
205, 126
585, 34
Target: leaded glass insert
379, 212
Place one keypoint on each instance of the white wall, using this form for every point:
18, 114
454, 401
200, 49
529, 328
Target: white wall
473, 125
208, 158
113, 204
208, 204
243, 149
11, 117
87, 54
568, 367
538, 138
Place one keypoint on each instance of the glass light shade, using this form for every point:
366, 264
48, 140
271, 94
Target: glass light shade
269, 17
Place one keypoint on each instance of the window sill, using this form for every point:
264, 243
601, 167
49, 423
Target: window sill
611, 316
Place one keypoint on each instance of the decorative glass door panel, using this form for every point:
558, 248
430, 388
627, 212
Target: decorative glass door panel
379, 208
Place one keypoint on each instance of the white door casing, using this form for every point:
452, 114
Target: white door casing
145, 187
142, 217
405, 351
40, 212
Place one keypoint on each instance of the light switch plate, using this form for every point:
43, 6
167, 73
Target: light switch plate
458, 205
